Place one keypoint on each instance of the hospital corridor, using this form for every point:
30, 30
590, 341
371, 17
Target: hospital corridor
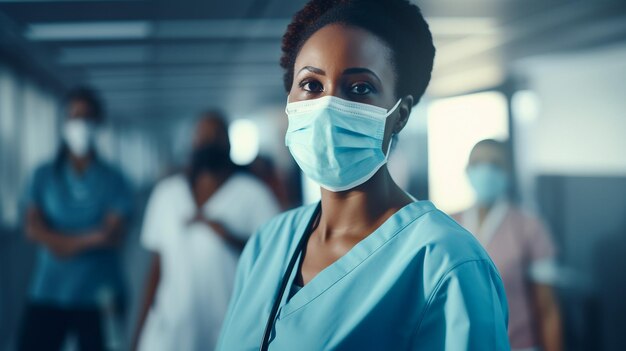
199, 175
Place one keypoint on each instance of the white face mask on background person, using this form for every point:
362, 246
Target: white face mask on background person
337, 143
490, 182
78, 135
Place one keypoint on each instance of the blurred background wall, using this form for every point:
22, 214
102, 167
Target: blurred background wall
547, 75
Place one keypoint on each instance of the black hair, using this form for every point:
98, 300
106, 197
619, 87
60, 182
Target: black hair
398, 23
492, 142
91, 97
213, 157
217, 116
501, 146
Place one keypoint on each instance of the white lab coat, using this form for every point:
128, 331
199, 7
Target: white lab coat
197, 266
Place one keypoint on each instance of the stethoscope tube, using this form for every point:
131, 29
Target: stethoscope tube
283, 285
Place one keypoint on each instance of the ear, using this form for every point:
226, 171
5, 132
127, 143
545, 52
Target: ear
404, 110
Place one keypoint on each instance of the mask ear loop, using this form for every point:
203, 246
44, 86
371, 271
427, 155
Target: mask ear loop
389, 147
287, 104
393, 109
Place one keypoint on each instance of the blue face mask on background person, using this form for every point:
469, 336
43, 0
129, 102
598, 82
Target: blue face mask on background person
490, 182
337, 143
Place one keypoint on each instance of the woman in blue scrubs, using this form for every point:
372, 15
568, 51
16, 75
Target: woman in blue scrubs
369, 268
76, 210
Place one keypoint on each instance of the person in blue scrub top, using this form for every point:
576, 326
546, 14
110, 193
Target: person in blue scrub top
76, 210
369, 267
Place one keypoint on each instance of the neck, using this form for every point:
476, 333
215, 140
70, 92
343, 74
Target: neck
356, 210
79, 163
206, 184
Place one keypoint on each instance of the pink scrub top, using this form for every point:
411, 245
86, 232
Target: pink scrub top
522, 250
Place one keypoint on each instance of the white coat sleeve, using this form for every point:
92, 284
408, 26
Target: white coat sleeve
152, 227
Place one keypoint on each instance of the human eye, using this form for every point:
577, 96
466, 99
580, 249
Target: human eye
361, 88
311, 86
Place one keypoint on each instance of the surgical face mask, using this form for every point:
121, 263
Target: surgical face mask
337, 143
78, 135
489, 181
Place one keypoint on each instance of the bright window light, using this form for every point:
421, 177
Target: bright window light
244, 140
455, 125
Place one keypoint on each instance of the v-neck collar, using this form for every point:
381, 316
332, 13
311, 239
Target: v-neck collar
74, 176
352, 259
492, 222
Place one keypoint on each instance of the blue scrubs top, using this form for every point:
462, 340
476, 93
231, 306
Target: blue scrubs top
72, 204
419, 282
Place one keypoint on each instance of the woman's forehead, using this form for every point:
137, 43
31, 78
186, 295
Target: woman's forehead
338, 47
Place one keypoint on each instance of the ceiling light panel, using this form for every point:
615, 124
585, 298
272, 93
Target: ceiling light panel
114, 30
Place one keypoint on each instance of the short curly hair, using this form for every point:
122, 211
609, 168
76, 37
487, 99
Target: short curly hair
398, 23
91, 97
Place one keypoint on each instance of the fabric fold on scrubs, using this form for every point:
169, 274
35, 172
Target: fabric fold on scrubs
420, 281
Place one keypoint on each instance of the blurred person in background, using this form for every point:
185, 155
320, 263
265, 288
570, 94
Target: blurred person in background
519, 245
197, 224
77, 207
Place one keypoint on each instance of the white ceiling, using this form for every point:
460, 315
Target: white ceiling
163, 59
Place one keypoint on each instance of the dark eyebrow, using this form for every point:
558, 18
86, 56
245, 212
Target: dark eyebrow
353, 70
359, 70
312, 69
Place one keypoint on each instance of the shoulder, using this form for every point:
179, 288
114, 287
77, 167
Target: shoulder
170, 185
287, 221
112, 173
530, 222
43, 170
458, 216
439, 245
450, 257
444, 238
524, 215
42, 175
251, 193
282, 230
248, 183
